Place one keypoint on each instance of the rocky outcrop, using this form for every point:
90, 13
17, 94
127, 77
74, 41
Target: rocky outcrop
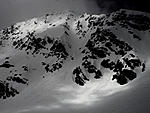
104, 39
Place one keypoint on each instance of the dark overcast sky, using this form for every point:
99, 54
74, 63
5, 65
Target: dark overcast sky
112, 5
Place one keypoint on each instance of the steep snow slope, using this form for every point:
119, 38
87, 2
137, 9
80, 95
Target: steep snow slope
72, 59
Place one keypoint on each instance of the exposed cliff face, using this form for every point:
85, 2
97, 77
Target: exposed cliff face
88, 46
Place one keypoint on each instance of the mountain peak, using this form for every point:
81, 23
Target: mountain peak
87, 46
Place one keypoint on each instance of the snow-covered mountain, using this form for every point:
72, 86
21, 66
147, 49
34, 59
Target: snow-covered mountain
111, 50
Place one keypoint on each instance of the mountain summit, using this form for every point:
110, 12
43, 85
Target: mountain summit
86, 47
